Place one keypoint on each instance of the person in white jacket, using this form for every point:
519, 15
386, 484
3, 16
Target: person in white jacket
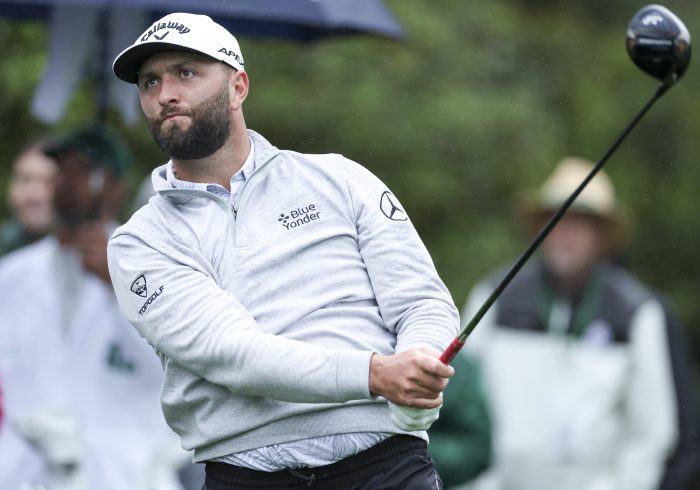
80, 387
298, 315
575, 354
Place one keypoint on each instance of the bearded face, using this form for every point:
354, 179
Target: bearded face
207, 132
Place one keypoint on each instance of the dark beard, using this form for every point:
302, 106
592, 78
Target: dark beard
207, 132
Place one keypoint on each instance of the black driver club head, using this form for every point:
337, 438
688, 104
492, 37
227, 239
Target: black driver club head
659, 43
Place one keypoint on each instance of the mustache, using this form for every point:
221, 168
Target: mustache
169, 111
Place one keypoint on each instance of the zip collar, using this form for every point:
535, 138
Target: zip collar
264, 152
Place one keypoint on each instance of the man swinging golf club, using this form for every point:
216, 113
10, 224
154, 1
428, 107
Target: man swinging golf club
294, 356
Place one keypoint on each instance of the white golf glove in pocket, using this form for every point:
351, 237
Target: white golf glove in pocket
411, 419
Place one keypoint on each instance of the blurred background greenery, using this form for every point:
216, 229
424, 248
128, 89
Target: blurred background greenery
476, 106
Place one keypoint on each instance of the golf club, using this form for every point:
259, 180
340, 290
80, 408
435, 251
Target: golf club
659, 44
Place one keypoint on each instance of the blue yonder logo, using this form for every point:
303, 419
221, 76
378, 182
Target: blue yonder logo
299, 216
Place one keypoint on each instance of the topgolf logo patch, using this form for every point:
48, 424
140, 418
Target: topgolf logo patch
299, 216
139, 286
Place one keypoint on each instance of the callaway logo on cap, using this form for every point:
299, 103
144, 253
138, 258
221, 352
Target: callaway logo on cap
179, 32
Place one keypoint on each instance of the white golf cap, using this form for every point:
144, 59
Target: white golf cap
179, 32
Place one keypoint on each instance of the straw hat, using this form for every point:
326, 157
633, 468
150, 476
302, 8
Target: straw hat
597, 199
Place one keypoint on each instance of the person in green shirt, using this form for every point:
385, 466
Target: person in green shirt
460, 440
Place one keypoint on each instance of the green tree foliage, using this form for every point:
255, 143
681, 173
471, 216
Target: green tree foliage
473, 108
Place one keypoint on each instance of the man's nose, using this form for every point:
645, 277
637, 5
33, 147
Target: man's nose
169, 92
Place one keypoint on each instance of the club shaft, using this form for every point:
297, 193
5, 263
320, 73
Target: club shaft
458, 341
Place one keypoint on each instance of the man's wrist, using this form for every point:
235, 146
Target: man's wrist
352, 375
375, 362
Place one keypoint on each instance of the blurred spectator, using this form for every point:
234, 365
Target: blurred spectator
29, 197
143, 193
81, 389
460, 440
575, 355
683, 467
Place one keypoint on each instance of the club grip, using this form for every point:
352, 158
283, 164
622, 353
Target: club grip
451, 351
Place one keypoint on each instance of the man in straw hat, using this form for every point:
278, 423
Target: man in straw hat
575, 354
297, 314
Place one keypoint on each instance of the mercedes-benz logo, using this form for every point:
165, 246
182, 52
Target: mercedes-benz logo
390, 207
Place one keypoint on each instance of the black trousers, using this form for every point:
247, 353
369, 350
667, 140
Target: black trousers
397, 463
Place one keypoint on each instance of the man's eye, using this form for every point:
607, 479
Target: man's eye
185, 73
149, 82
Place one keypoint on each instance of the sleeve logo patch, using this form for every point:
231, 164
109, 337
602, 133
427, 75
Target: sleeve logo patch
139, 287
390, 207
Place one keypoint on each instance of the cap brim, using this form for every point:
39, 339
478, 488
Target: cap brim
127, 65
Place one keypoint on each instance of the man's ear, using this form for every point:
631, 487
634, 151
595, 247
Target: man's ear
238, 86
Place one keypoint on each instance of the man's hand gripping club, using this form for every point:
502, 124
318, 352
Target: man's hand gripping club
413, 382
